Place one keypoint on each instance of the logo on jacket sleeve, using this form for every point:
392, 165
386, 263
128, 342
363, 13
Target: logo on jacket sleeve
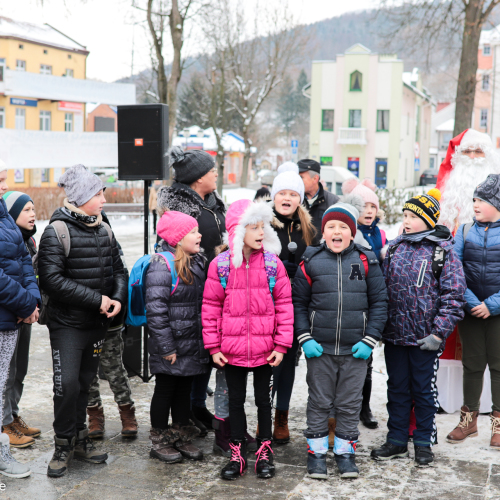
356, 272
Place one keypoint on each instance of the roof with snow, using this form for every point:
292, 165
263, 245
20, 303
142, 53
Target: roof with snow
42, 34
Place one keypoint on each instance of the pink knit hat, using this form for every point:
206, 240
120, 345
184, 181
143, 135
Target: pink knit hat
173, 226
365, 189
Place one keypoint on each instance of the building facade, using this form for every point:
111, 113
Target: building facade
371, 117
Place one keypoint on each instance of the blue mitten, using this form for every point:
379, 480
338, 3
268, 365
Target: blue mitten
312, 349
361, 350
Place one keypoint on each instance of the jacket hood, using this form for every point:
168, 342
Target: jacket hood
241, 214
3, 208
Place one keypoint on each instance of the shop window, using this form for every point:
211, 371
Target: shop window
326, 160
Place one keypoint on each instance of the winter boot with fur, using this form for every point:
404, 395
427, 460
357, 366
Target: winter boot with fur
23, 427
317, 448
344, 451
86, 450
238, 463
184, 445
96, 421
61, 458
162, 448
9, 466
467, 427
281, 434
129, 423
222, 436
495, 430
264, 463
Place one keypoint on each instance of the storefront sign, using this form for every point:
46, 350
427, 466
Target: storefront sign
17, 101
353, 165
74, 107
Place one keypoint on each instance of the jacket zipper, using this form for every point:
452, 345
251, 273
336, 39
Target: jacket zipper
484, 254
216, 221
341, 302
100, 259
364, 323
248, 318
312, 321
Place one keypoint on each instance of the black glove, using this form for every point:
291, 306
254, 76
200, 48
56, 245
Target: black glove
291, 268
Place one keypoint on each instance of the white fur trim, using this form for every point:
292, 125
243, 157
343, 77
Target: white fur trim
475, 139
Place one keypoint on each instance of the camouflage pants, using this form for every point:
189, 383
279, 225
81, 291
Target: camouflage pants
112, 365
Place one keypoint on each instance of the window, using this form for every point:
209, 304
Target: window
20, 118
69, 73
45, 120
68, 122
486, 82
445, 139
20, 65
2, 69
483, 121
45, 174
45, 51
383, 120
2, 117
355, 118
45, 69
326, 160
21, 46
486, 50
356, 81
327, 119
69, 56
432, 162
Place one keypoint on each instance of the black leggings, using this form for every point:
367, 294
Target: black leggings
236, 378
171, 393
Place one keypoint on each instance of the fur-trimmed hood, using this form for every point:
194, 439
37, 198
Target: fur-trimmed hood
279, 224
241, 214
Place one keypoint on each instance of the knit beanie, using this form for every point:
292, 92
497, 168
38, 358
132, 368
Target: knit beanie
173, 226
288, 166
343, 212
80, 185
426, 206
288, 180
365, 189
489, 190
16, 201
189, 166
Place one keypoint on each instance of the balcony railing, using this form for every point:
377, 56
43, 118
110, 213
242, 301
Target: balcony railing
352, 136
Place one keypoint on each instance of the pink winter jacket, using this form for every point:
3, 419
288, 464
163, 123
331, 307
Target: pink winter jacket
241, 321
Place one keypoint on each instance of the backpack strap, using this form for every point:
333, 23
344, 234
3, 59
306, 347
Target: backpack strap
62, 233
223, 267
364, 260
383, 236
109, 231
466, 229
170, 261
271, 265
302, 265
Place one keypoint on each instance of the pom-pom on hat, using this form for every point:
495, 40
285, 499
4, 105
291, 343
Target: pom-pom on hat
288, 166
189, 166
288, 180
343, 212
173, 226
365, 189
426, 206
16, 201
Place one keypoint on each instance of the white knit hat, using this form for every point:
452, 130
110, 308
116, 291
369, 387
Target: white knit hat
288, 166
288, 180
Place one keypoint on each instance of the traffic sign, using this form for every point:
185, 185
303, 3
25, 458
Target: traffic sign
295, 143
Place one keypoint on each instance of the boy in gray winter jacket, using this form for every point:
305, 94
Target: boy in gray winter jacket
340, 310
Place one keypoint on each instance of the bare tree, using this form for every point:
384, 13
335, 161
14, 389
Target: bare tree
453, 24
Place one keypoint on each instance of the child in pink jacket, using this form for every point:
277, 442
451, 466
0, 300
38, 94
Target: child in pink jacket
245, 327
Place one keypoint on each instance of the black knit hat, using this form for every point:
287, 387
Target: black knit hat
489, 190
426, 206
189, 166
307, 164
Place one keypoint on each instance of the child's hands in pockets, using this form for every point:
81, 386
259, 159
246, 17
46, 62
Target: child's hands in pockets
172, 358
277, 356
219, 359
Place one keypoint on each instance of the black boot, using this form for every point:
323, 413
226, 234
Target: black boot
347, 465
199, 424
264, 464
388, 451
366, 416
203, 415
316, 466
237, 464
423, 455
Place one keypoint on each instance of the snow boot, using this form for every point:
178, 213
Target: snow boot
96, 421
222, 436
203, 415
344, 451
281, 434
332, 424
201, 426
184, 445
495, 430
467, 427
9, 466
86, 450
61, 458
16, 438
238, 464
388, 451
23, 427
129, 423
366, 416
317, 448
162, 448
264, 464
423, 455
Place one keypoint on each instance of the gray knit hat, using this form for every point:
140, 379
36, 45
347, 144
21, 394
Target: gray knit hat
190, 165
80, 185
489, 190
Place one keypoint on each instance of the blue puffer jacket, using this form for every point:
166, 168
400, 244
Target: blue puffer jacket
19, 293
373, 235
418, 304
480, 256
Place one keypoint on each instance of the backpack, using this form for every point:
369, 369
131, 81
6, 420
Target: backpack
466, 228
62, 234
270, 263
136, 311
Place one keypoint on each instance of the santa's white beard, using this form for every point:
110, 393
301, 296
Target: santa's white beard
456, 201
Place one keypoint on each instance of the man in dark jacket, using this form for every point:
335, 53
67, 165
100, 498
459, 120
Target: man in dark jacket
194, 193
86, 286
317, 198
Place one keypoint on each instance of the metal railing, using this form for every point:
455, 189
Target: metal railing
352, 136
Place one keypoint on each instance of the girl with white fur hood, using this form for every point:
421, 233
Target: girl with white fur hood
247, 327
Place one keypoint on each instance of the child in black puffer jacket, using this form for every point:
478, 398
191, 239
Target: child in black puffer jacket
177, 354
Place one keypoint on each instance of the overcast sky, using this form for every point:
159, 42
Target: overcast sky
110, 29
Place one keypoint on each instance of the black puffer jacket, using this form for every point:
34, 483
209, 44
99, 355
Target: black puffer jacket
210, 214
317, 209
342, 306
75, 285
174, 321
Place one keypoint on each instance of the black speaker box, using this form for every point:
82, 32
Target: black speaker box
143, 142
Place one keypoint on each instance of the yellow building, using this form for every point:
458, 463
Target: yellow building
43, 89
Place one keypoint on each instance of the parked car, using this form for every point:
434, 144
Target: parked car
428, 176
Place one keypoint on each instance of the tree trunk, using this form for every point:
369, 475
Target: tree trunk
467, 79
246, 161
176, 31
220, 169
158, 43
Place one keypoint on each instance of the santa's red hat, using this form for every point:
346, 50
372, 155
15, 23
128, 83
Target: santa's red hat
468, 138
